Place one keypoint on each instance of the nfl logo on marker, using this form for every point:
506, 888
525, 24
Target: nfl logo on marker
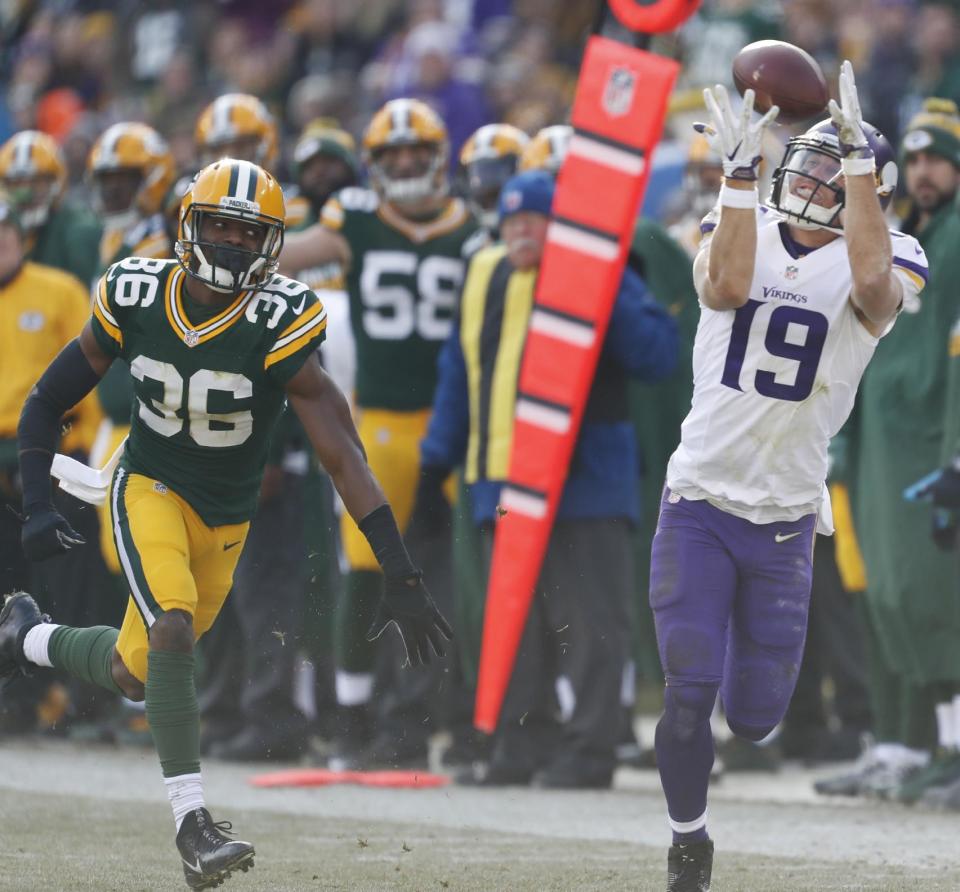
618, 93
791, 272
191, 339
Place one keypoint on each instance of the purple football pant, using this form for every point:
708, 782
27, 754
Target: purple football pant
730, 601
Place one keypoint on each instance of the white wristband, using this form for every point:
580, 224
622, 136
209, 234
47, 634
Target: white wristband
738, 198
853, 167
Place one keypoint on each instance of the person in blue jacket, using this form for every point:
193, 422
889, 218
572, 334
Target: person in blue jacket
576, 639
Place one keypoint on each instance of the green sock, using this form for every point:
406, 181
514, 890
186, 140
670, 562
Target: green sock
86, 654
355, 613
919, 716
173, 711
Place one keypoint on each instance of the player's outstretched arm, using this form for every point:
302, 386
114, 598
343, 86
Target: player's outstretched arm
325, 415
877, 292
313, 246
67, 380
723, 271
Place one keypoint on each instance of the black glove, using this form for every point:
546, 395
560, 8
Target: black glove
945, 490
407, 603
432, 514
46, 533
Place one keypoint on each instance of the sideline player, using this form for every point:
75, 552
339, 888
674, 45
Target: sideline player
793, 301
216, 343
403, 244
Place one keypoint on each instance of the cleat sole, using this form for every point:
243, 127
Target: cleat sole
243, 863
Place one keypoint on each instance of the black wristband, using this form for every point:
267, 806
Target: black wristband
383, 534
67, 380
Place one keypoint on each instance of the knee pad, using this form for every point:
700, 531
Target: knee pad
756, 733
687, 708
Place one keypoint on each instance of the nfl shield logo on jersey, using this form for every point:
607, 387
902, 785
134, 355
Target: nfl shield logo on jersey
191, 338
791, 272
618, 93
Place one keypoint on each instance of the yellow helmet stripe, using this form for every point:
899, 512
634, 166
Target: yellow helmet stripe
221, 125
401, 116
485, 139
243, 181
112, 139
22, 154
107, 149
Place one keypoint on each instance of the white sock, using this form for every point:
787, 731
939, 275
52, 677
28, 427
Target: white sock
185, 792
898, 754
884, 752
353, 688
35, 643
946, 735
628, 685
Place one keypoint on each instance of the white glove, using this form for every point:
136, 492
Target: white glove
847, 117
736, 139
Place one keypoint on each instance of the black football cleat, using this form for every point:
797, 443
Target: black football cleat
689, 866
208, 856
19, 614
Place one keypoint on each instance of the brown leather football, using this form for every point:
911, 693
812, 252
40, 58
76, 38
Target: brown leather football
782, 74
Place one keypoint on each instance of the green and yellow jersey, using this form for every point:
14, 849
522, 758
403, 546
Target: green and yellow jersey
69, 241
209, 381
326, 276
148, 238
403, 283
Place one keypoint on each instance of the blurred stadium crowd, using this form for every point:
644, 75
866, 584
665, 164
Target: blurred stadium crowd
275, 685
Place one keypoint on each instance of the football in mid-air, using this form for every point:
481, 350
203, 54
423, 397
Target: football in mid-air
784, 75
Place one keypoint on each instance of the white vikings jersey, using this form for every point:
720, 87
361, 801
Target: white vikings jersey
775, 379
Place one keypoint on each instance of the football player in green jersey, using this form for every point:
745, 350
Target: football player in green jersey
216, 343
131, 170
57, 233
403, 244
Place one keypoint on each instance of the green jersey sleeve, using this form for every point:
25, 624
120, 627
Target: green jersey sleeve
106, 322
131, 282
301, 329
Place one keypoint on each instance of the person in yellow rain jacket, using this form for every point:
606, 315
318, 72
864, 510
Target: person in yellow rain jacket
41, 310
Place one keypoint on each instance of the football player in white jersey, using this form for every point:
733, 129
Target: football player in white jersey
794, 297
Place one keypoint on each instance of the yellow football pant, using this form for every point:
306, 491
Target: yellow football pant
107, 547
170, 558
392, 443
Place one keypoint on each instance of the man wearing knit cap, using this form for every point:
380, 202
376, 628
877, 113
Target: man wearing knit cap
911, 597
574, 644
935, 144
931, 155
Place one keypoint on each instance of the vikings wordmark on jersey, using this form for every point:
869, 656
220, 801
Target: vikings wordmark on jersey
776, 379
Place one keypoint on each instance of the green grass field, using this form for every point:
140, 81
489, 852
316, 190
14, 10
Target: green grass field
78, 843
79, 818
